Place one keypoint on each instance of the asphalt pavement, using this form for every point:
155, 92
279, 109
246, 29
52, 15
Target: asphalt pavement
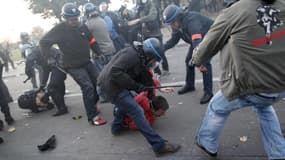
77, 140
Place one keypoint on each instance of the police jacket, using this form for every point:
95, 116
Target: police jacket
72, 41
149, 17
54, 59
125, 71
250, 61
98, 28
193, 28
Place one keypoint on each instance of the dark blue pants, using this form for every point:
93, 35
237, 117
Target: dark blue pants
101, 61
86, 78
126, 105
190, 74
56, 87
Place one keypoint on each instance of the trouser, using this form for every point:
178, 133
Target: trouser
56, 88
190, 74
126, 105
101, 61
86, 78
219, 110
34, 79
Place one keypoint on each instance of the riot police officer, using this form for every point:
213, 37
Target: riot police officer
149, 19
52, 67
191, 27
120, 76
75, 40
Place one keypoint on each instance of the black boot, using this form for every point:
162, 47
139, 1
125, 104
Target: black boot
1, 125
186, 89
9, 120
206, 98
1, 140
61, 111
49, 144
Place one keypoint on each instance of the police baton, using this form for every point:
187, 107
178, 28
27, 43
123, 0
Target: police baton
26, 80
159, 87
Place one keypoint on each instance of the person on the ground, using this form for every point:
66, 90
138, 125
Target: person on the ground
74, 41
129, 70
149, 20
249, 36
191, 27
52, 71
99, 29
153, 108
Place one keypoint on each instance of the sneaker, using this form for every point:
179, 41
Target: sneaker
98, 121
168, 148
185, 89
204, 149
206, 98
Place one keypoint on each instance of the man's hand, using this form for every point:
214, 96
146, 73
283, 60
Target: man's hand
133, 22
167, 90
203, 69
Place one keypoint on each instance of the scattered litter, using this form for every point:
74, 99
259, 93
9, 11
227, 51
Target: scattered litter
180, 103
11, 129
243, 138
76, 117
27, 115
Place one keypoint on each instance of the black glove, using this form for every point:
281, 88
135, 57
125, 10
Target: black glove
42, 88
49, 144
140, 88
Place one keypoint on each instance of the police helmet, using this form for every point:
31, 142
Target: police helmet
171, 13
153, 48
89, 8
70, 10
24, 36
103, 7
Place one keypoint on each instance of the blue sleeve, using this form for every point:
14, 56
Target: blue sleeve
175, 37
111, 28
194, 29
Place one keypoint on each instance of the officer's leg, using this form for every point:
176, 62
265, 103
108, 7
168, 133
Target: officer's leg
81, 76
6, 111
93, 75
190, 75
56, 89
34, 80
165, 65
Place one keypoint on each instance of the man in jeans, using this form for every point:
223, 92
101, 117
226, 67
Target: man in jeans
74, 40
252, 59
129, 70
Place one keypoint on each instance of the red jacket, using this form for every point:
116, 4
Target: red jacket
143, 101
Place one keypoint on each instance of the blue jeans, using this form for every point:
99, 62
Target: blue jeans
86, 78
101, 61
126, 105
219, 110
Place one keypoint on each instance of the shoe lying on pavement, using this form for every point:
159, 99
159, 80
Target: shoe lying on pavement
206, 98
167, 149
49, 144
204, 149
97, 121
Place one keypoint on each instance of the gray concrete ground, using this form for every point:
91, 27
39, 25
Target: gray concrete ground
76, 139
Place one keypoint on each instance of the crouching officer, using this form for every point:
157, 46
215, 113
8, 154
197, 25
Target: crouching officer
120, 76
191, 27
51, 66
